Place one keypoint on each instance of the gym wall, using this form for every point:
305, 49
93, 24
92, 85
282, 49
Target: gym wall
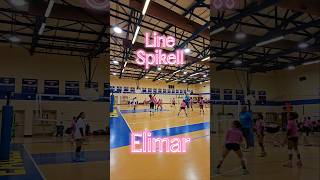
280, 86
202, 90
52, 67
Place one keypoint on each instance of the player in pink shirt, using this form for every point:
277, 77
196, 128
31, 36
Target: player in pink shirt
292, 139
234, 138
152, 102
159, 104
201, 104
183, 106
260, 133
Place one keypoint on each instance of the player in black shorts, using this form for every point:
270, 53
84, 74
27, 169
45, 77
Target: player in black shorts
234, 137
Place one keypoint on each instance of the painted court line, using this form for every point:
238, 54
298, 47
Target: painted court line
67, 157
35, 164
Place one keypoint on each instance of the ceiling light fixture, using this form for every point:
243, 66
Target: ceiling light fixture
14, 38
42, 28
303, 45
194, 74
177, 71
205, 59
240, 35
18, 3
270, 41
117, 29
136, 34
49, 8
217, 30
187, 50
311, 62
291, 67
145, 7
237, 62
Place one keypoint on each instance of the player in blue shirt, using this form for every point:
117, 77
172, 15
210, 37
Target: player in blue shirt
247, 126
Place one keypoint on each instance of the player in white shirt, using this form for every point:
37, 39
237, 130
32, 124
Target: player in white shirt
134, 103
79, 135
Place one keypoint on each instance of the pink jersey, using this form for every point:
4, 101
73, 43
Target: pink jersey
153, 99
259, 126
292, 128
201, 102
307, 123
234, 135
159, 102
183, 104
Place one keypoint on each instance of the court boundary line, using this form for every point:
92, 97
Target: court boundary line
119, 111
32, 160
183, 125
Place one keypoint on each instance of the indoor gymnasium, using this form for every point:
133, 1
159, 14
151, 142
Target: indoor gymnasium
53, 67
150, 99
265, 85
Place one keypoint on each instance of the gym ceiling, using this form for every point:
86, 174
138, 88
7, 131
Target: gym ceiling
257, 36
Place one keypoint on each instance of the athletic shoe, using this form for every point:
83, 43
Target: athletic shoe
299, 164
288, 165
245, 172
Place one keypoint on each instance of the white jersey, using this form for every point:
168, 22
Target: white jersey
134, 102
81, 123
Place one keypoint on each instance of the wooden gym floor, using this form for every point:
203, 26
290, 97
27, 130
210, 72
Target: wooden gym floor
51, 158
269, 167
194, 165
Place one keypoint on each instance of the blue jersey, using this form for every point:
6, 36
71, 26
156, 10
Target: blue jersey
246, 119
187, 99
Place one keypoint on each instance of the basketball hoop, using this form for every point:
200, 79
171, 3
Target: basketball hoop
250, 99
90, 94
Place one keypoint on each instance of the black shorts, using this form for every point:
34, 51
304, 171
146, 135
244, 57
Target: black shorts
182, 108
233, 146
293, 139
201, 106
152, 105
